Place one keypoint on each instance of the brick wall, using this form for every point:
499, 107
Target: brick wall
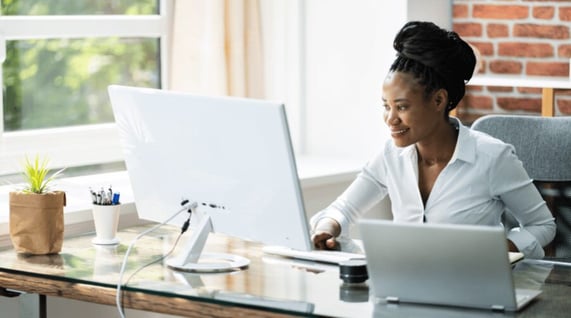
516, 37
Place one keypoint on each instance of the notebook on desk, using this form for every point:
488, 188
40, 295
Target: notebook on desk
441, 264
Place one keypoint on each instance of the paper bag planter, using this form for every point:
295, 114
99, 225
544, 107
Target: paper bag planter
36, 222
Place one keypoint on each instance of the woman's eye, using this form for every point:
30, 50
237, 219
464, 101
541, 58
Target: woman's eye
397, 107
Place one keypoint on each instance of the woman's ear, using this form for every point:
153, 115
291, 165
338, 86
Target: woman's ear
440, 99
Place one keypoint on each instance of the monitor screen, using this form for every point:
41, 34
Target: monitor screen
232, 156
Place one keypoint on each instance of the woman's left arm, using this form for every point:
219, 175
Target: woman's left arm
511, 183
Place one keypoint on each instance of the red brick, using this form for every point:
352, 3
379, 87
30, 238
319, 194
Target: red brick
468, 29
500, 89
541, 31
563, 92
480, 67
461, 105
500, 11
564, 106
565, 13
485, 48
523, 49
484, 64
529, 90
564, 50
474, 88
514, 103
506, 67
496, 30
460, 11
479, 102
547, 68
545, 13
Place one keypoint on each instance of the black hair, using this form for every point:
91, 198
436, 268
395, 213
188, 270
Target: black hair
437, 58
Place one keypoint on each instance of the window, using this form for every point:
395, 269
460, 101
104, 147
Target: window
58, 59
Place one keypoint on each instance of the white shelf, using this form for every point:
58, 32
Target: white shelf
519, 81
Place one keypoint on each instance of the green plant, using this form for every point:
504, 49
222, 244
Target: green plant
36, 175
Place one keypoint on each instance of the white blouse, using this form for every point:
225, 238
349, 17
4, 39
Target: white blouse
483, 178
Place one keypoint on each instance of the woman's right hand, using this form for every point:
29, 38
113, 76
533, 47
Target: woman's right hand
324, 234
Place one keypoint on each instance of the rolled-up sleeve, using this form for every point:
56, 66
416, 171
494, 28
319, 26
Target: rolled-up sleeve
359, 197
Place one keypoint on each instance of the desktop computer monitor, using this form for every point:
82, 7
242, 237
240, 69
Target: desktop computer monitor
231, 157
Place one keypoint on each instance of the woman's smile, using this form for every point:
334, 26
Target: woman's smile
398, 133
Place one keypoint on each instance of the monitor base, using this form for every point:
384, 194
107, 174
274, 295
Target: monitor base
191, 258
212, 263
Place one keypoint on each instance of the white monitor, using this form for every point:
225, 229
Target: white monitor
231, 156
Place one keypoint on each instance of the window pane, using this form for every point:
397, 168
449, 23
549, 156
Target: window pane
77, 7
62, 82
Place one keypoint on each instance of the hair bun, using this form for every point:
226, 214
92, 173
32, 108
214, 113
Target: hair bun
442, 50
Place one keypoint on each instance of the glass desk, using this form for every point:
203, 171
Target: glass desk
270, 287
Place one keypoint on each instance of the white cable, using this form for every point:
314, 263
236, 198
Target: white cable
124, 264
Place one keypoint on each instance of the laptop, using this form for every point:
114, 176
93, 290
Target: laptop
441, 264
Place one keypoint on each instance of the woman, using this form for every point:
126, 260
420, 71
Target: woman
433, 168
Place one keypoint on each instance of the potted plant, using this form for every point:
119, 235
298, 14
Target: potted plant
36, 212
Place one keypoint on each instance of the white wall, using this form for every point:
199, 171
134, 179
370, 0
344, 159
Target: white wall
437, 11
348, 50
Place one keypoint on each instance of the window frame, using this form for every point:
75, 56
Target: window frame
83, 144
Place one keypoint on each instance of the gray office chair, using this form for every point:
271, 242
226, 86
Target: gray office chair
543, 144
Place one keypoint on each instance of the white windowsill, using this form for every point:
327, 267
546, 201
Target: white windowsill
313, 172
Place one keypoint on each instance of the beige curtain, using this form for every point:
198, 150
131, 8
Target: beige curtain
217, 48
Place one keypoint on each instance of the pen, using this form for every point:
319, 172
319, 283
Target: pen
104, 197
93, 196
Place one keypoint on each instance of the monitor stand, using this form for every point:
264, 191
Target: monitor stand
192, 259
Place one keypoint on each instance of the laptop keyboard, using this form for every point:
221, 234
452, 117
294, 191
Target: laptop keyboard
332, 257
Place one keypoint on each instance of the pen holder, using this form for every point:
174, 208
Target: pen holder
106, 220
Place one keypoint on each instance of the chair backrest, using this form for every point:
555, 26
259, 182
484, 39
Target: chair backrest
543, 144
